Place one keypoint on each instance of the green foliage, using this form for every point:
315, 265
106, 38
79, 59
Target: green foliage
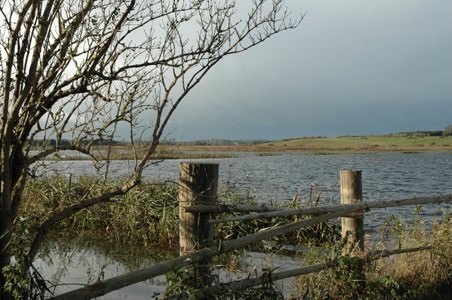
263, 292
23, 282
389, 288
344, 280
177, 285
419, 275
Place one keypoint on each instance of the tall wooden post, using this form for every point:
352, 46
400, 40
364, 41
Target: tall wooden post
352, 227
198, 185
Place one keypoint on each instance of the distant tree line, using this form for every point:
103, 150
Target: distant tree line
64, 142
418, 133
222, 142
446, 132
206, 142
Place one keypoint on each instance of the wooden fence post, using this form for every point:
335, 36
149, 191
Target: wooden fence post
352, 227
198, 185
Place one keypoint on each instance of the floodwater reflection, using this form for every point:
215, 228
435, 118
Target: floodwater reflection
69, 265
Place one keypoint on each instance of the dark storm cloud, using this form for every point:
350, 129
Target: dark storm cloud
352, 67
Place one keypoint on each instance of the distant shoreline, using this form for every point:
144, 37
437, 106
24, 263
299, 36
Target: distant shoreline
339, 144
307, 145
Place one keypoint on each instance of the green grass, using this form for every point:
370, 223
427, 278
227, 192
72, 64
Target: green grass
367, 143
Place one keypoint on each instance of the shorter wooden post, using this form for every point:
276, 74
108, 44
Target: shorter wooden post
352, 227
198, 185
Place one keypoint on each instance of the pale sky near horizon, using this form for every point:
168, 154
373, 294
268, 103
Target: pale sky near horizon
351, 67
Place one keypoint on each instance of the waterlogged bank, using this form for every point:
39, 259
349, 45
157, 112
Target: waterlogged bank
113, 264
71, 264
416, 276
131, 232
273, 179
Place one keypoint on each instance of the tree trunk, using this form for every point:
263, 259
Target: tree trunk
11, 170
5, 257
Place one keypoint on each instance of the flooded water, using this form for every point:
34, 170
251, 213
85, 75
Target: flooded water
68, 266
279, 178
72, 266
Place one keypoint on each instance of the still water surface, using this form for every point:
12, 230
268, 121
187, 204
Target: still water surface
281, 177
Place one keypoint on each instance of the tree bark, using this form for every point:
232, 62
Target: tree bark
5, 256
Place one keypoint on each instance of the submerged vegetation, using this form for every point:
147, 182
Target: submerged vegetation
146, 219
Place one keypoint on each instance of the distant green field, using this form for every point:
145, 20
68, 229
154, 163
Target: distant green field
367, 143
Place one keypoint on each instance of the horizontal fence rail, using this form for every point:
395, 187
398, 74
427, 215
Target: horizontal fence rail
263, 211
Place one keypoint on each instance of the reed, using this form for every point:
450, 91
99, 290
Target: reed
147, 218
419, 275
146, 215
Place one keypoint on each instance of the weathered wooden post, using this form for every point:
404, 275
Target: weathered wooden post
198, 185
352, 227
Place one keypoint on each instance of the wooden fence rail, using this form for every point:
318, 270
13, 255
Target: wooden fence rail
197, 197
263, 211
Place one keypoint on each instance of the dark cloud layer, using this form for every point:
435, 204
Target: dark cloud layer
352, 67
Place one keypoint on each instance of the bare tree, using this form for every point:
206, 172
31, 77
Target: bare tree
82, 70
447, 131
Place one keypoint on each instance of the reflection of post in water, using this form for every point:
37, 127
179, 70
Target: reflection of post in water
198, 185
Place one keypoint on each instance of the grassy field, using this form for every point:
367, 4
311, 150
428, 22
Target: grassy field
372, 143
325, 145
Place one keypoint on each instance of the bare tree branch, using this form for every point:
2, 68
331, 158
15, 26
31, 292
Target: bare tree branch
79, 72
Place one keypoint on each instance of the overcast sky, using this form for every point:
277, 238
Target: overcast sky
352, 67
